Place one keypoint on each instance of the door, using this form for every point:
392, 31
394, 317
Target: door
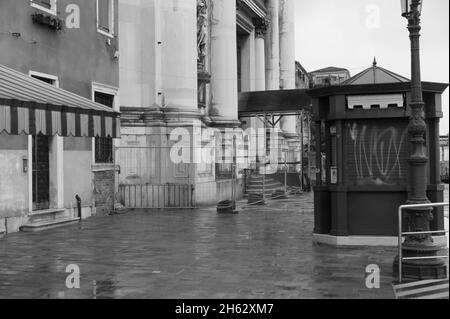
41, 173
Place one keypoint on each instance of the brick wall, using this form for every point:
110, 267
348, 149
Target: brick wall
104, 191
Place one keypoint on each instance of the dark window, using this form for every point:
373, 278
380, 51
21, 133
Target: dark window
104, 150
46, 80
104, 145
104, 16
105, 99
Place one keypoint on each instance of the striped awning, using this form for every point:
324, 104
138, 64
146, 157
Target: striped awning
32, 107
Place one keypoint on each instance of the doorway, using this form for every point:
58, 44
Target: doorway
41, 172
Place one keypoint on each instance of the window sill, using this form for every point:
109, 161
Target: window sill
109, 35
104, 167
49, 11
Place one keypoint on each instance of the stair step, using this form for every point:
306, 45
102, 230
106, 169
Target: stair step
259, 191
47, 215
44, 225
265, 186
46, 212
426, 289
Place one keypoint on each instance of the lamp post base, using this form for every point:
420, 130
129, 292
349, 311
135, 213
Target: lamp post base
422, 270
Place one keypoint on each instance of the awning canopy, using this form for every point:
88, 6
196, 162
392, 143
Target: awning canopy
279, 103
30, 106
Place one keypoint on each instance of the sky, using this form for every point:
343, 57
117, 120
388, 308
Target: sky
350, 33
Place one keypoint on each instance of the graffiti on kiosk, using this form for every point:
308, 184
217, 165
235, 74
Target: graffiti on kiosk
377, 154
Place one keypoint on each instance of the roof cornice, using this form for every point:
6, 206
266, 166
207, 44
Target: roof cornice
256, 6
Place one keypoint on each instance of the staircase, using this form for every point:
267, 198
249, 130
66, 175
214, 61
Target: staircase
426, 289
256, 187
47, 219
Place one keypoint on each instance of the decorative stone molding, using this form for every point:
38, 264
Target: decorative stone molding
256, 6
202, 33
244, 23
261, 26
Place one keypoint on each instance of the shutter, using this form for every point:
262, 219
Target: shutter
377, 152
103, 15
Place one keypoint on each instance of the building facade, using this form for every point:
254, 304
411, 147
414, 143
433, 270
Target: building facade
178, 82
328, 77
58, 116
301, 77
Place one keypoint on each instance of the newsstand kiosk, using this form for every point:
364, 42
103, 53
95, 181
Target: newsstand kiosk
361, 129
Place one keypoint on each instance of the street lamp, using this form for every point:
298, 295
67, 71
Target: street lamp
418, 220
407, 7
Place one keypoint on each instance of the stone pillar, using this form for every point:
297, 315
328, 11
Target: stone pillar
287, 58
260, 56
272, 44
178, 42
224, 89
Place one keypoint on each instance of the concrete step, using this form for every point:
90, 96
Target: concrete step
267, 185
47, 215
44, 225
426, 289
260, 191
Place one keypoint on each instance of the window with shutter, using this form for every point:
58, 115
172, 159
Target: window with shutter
104, 150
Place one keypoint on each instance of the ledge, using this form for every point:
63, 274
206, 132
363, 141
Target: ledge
104, 167
366, 241
34, 227
46, 212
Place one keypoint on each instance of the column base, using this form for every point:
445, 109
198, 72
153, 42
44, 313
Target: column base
220, 121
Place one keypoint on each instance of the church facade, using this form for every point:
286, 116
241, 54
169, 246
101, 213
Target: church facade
182, 66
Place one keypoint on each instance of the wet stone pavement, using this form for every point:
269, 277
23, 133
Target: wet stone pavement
264, 252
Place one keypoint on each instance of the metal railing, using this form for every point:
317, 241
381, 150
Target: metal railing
157, 196
402, 234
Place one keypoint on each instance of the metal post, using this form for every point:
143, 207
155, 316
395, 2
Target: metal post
265, 159
301, 150
80, 215
400, 241
233, 186
285, 173
309, 151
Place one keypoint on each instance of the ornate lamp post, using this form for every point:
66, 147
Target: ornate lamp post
418, 220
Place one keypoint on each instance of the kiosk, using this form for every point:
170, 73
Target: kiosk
362, 169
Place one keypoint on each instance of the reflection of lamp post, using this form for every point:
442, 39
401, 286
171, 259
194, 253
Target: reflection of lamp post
418, 220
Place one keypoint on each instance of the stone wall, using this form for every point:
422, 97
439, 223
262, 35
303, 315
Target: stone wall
104, 191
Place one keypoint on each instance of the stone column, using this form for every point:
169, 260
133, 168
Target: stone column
287, 58
272, 44
260, 56
178, 42
224, 106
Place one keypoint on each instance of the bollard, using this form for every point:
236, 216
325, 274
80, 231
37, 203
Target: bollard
78, 198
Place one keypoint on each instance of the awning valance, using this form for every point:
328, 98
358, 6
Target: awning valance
29, 106
19, 117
